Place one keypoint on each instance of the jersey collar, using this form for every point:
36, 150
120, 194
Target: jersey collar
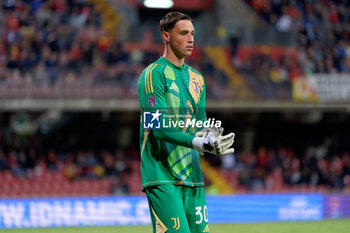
173, 65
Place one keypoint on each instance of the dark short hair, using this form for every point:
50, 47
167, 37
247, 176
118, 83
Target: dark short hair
170, 19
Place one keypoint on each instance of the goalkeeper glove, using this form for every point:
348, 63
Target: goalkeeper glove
205, 132
211, 140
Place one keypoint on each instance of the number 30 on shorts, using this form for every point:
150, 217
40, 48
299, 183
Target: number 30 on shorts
202, 213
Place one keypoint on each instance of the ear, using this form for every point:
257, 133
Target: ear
165, 36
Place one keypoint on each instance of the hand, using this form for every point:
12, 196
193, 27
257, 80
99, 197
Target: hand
211, 140
205, 132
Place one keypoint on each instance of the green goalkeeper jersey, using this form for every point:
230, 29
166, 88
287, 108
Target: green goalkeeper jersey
170, 96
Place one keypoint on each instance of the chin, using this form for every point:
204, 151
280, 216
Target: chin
187, 54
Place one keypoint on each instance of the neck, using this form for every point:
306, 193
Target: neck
171, 56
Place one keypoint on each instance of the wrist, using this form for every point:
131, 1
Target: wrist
197, 143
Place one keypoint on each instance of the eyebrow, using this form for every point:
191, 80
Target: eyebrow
186, 30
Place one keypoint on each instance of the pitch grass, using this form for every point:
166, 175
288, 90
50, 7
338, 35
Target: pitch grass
325, 226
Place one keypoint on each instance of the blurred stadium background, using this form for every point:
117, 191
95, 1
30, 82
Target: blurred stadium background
277, 74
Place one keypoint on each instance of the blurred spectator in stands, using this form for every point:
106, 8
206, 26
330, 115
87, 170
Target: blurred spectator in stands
336, 173
3, 161
228, 161
284, 23
120, 187
52, 160
71, 170
14, 164
234, 42
28, 162
109, 164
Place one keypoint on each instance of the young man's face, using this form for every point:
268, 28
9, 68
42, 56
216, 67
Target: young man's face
181, 38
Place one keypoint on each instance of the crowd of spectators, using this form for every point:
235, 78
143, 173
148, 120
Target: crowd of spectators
321, 30
269, 169
59, 42
270, 78
276, 169
320, 26
27, 164
265, 169
50, 43
23, 152
22, 162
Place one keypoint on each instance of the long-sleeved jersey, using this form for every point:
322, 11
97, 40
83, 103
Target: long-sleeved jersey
172, 100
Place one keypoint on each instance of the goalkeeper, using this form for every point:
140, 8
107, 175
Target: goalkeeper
171, 91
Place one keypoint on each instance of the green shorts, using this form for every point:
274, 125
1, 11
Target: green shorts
177, 209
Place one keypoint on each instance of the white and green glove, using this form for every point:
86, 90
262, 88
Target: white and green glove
211, 140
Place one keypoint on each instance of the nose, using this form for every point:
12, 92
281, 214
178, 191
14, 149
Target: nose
191, 39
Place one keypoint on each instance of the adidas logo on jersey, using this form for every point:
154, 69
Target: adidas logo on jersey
174, 87
206, 229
